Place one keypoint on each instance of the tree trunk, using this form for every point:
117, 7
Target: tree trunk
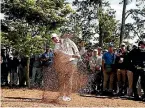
27, 73
100, 27
123, 21
100, 36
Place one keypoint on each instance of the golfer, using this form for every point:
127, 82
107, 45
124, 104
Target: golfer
66, 55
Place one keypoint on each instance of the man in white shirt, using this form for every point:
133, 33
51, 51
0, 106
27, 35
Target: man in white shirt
95, 66
66, 46
65, 61
96, 61
82, 50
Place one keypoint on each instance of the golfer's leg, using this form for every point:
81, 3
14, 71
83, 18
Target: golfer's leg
77, 81
74, 79
68, 84
61, 84
69, 79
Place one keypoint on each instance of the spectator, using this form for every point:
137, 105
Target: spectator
49, 75
99, 51
100, 86
137, 58
128, 67
4, 67
121, 72
47, 58
93, 61
108, 69
36, 71
22, 71
95, 66
51, 55
13, 68
82, 50
87, 57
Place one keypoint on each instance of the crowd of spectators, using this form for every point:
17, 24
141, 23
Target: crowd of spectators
116, 72
112, 72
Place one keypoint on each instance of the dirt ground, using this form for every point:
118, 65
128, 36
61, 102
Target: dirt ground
32, 98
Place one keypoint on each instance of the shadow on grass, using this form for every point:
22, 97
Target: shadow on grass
20, 99
113, 97
21, 88
98, 96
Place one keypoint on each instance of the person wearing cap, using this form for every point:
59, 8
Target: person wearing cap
86, 57
65, 61
93, 60
108, 70
100, 54
121, 71
4, 66
82, 49
99, 51
99, 57
49, 80
13, 69
67, 46
95, 67
36, 70
128, 68
137, 59
22, 70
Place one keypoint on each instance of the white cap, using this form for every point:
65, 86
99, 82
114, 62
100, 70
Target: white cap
54, 35
106, 50
10, 56
123, 44
3, 47
95, 50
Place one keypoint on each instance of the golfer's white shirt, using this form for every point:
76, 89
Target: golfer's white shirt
67, 46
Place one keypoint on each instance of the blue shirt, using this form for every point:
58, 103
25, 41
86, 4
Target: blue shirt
49, 56
109, 58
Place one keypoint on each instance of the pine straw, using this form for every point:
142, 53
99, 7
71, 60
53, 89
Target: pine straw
32, 98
